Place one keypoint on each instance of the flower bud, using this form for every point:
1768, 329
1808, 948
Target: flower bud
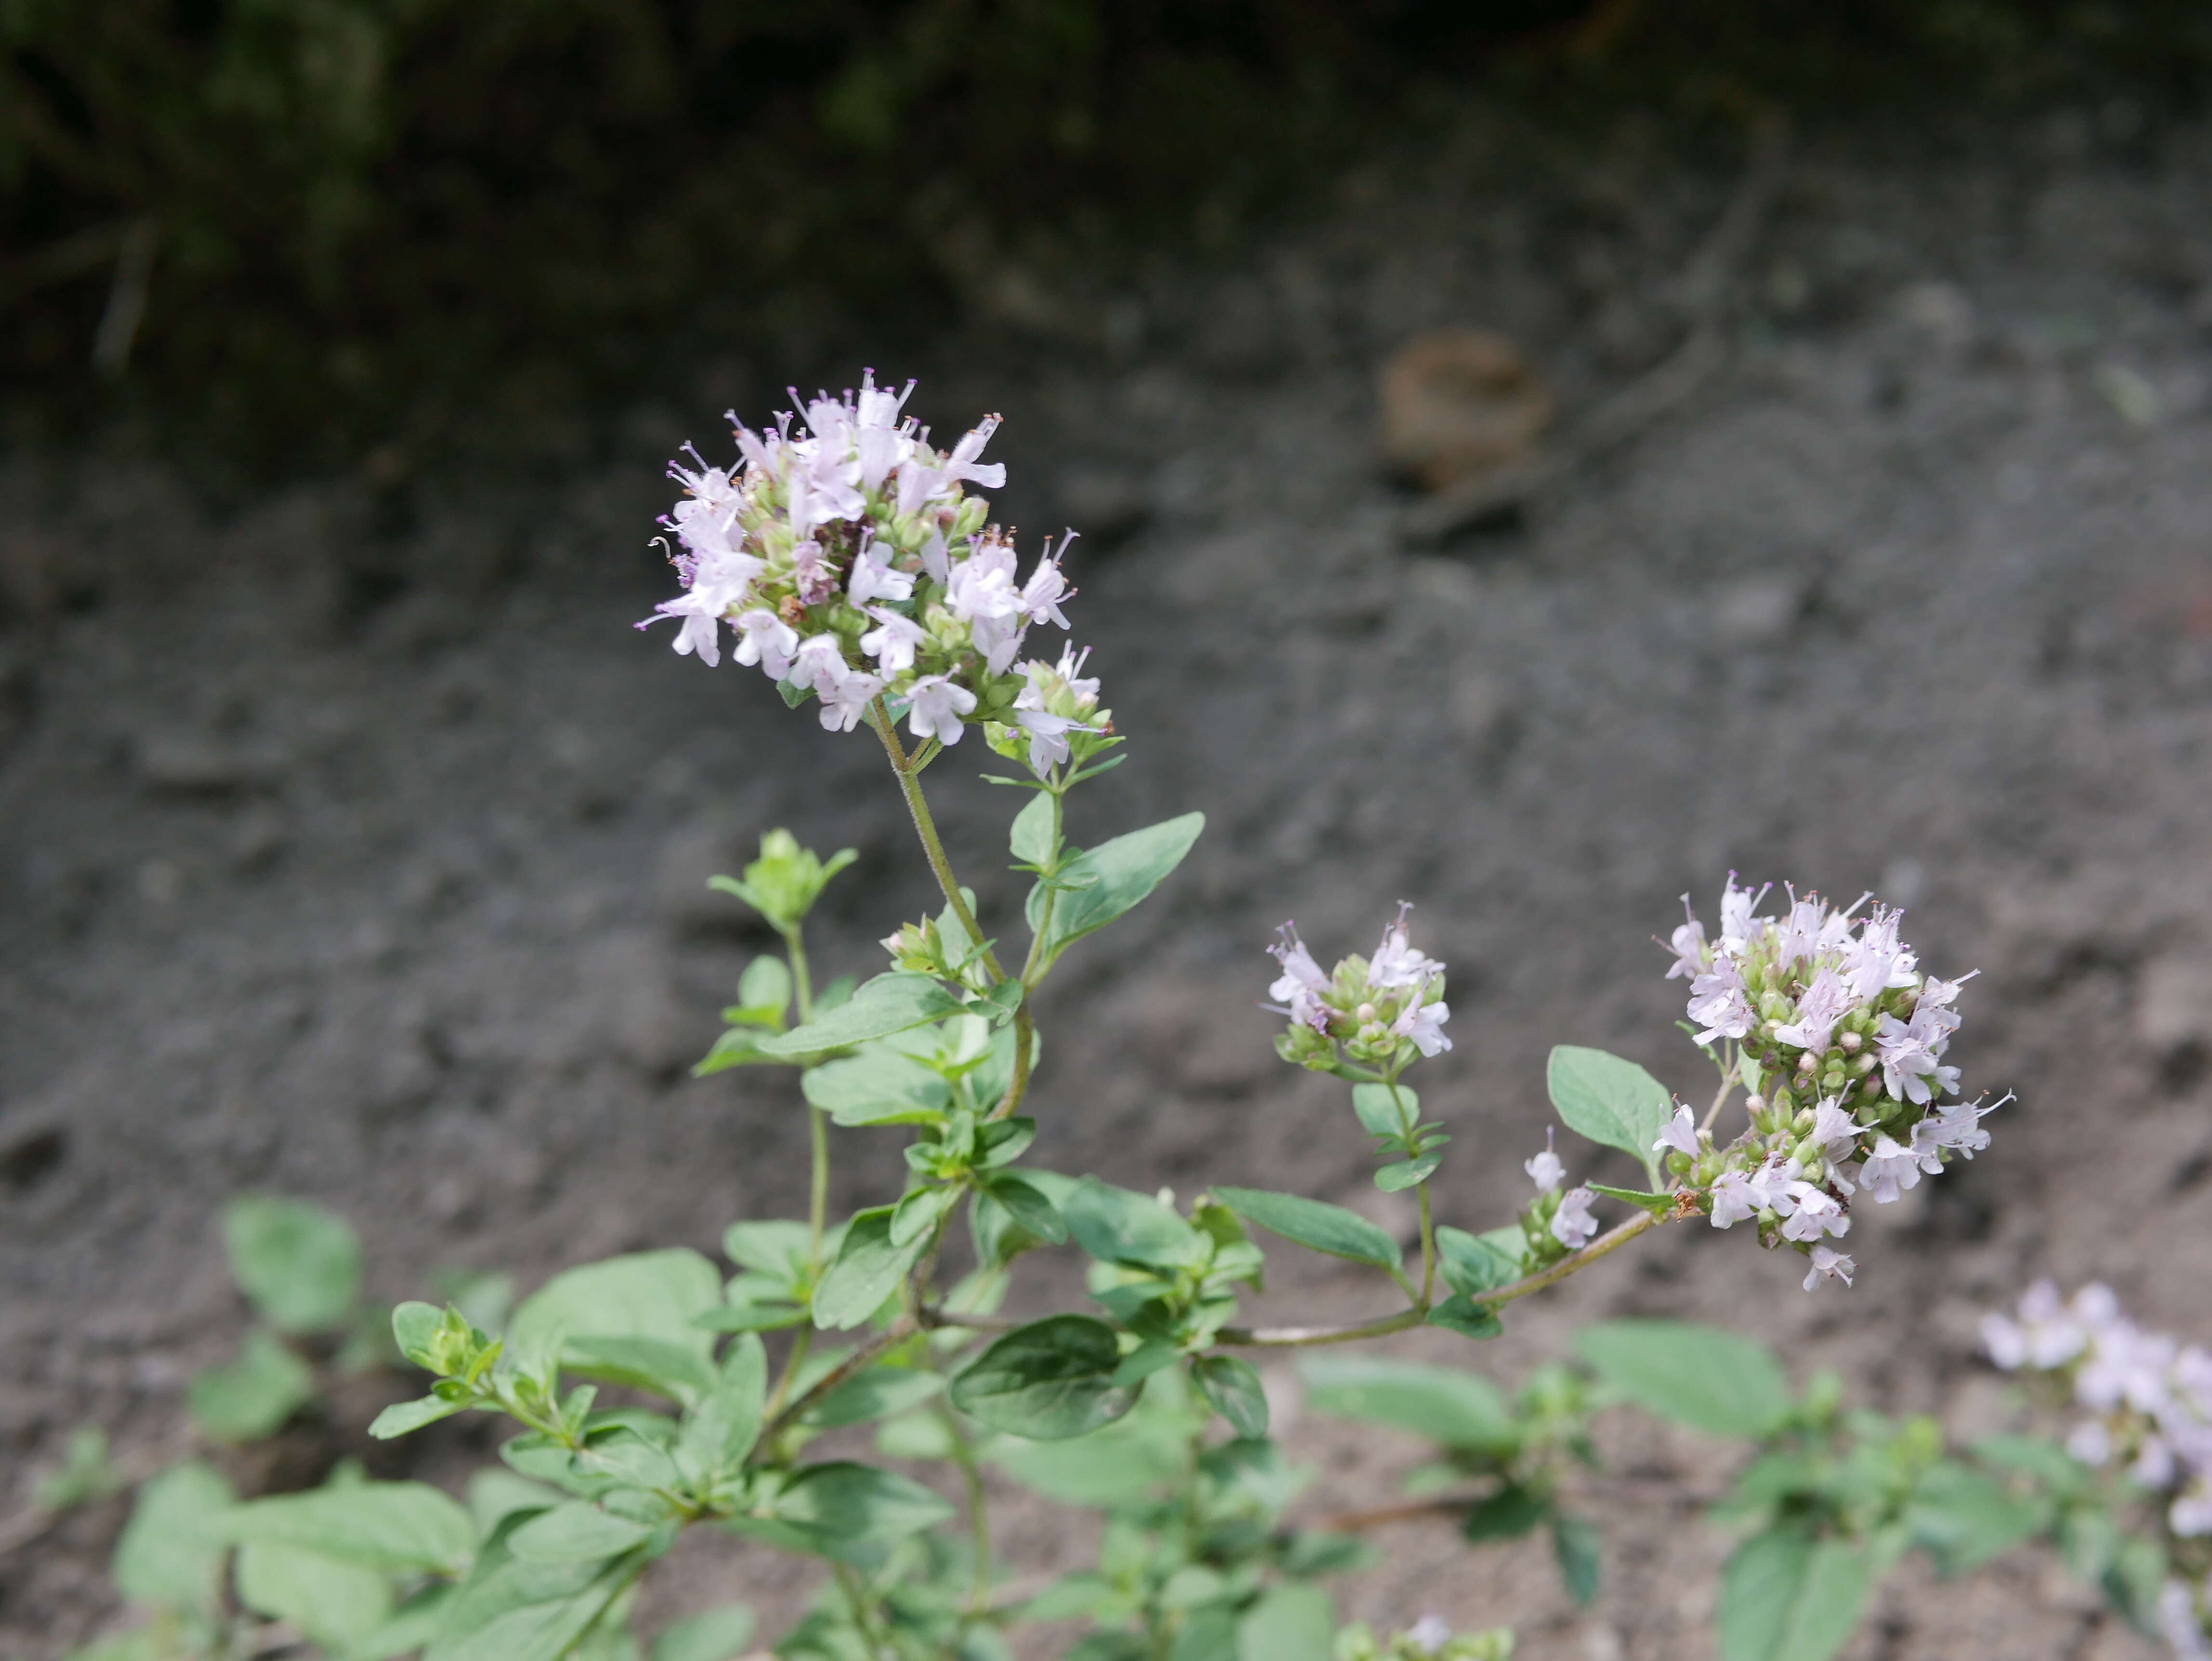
1850, 1041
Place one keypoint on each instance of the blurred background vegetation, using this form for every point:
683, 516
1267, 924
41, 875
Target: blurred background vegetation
278, 235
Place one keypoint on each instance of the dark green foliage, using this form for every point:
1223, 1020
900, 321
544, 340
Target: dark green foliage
382, 227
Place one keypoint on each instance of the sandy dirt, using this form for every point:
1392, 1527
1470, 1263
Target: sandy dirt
357, 851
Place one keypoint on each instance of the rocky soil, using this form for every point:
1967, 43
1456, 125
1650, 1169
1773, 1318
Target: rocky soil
354, 846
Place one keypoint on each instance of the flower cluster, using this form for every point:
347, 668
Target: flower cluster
2146, 1402
1840, 1038
1560, 1220
2148, 1397
1379, 1010
848, 562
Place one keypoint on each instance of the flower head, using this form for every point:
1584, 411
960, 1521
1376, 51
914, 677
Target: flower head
1377, 1012
840, 524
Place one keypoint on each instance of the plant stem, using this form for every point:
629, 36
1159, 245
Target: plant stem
979, 1516
1574, 1262
817, 1208
800, 1345
933, 847
1287, 1337
817, 1192
856, 1597
1727, 1083
802, 983
1407, 1123
917, 807
1299, 1337
1428, 1247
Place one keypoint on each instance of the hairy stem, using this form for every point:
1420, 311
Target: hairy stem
925, 827
917, 806
817, 1187
1300, 1338
1573, 1263
1720, 1096
1407, 1123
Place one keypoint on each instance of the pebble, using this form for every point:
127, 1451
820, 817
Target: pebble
1456, 403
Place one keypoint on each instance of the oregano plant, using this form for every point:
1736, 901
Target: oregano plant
844, 556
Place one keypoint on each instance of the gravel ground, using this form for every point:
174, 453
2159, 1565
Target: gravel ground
355, 850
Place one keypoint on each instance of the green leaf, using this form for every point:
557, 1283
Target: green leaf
1613, 1102
718, 1634
1031, 839
1047, 1381
846, 1504
867, 1271
298, 1265
887, 1004
88, 1473
918, 1214
773, 1245
1315, 1225
1103, 883
1027, 1205
1785, 1598
402, 1417
2048, 1463
508, 1609
880, 1084
1380, 1113
496, 1493
1508, 1514
681, 1373
1116, 1226
1407, 1173
1964, 1519
738, 1046
170, 1554
1290, 1623
412, 1625
334, 1604
1081, 1594
1578, 1549
2134, 1578
1476, 1263
646, 1294
1458, 1409
764, 990
721, 1430
1710, 1380
1658, 1204
1232, 1388
255, 1394
575, 1531
1120, 1465
877, 1393
396, 1527
1461, 1314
